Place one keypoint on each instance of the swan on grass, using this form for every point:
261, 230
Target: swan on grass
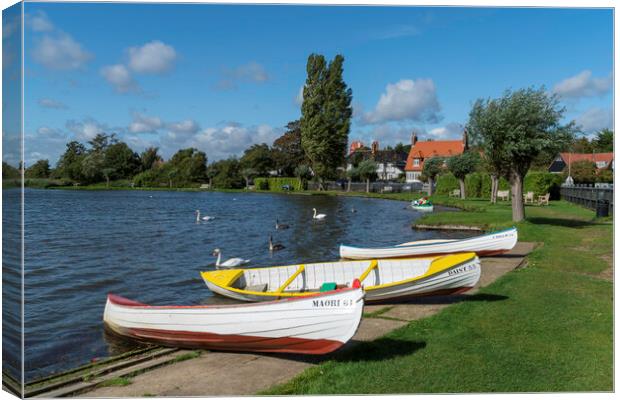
318, 216
230, 263
274, 246
205, 218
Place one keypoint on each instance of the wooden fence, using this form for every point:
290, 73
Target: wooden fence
589, 196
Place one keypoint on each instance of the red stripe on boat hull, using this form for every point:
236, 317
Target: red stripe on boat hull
213, 341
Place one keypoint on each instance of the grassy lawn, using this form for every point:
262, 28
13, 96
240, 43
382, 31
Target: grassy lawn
548, 327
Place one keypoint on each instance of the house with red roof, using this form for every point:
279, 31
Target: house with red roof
601, 160
423, 150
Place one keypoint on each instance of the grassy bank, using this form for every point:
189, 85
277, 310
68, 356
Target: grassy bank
544, 328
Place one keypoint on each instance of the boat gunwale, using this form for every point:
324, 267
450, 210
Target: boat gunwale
230, 306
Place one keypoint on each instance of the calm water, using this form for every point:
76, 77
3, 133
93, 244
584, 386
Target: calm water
147, 246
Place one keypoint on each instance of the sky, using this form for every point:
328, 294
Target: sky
223, 77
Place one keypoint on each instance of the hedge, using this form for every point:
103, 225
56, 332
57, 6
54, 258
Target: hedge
446, 183
275, 184
478, 184
543, 182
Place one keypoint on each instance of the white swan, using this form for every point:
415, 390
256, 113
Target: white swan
318, 216
205, 218
230, 263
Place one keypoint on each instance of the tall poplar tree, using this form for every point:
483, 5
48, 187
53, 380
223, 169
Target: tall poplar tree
325, 116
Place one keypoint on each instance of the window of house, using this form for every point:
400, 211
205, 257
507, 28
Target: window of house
600, 164
416, 162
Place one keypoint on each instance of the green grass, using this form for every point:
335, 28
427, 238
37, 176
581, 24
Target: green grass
548, 327
187, 356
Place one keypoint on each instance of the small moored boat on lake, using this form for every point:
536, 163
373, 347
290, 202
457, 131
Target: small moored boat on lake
489, 244
316, 324
423, 205
383, 280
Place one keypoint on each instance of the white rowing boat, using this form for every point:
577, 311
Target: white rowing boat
308, 325
383, 280
489, 244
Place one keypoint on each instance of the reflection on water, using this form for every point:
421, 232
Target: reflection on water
147, 246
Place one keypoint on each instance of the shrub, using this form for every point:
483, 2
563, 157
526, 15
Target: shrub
275, 184
446, 183
543, 182
473, 184
605, 176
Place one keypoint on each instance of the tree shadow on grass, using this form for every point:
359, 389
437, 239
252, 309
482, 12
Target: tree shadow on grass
569, 223
458, 298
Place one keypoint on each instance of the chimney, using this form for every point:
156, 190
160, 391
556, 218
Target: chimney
465, 138
414, 139
374, 147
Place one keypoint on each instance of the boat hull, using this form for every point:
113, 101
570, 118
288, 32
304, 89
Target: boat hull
392, 279
485, 245
310, 325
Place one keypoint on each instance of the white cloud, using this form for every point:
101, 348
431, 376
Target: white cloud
51, 103
406, 100
86, 129
583, 85
595, 119
48, 132
396, 31
153, 58
60, 52
39, 22
250, 72
144, 124
188, 126
450, 131
119, 76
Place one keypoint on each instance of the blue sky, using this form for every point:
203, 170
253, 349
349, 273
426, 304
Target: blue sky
220, 78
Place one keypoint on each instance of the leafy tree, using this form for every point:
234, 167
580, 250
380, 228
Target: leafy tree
212, 172
358, 156
258, 157
462, 165
189, 165
432, 167
248, 173
515, 129
40, 169
92, 166
149, 158
9, 172
287, 152
367, 170
101, 142
304, 173
402, 148
70, 163
352, 173
581, 145
228, 174
124, 162
604, 141
325, 116
107, 173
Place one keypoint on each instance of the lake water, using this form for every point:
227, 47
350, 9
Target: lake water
147, 246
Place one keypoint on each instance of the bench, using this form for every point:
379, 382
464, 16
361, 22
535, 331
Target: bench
503, 194
455, 193
528, 197
543, 200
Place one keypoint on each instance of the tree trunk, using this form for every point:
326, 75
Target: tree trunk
247, 183
367, 185
494, 187
107, 182
516, 186
170, 181
462, 187
430, 186
349, 185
